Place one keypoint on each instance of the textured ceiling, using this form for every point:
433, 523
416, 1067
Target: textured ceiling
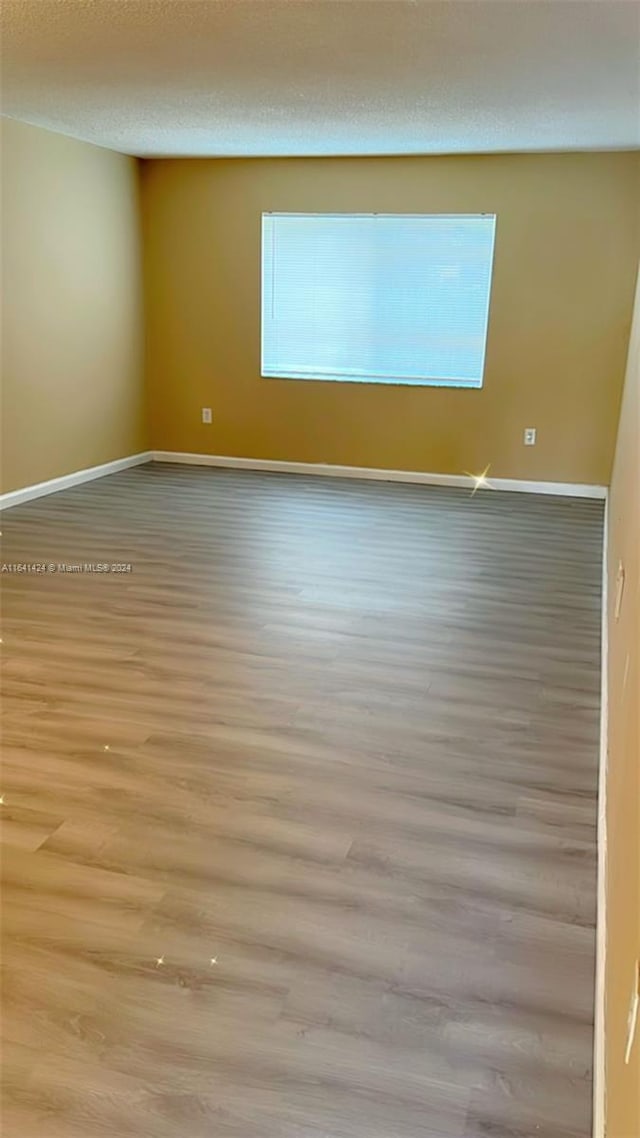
259, 77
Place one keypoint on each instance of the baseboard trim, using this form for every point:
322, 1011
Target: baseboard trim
565, 489
327, 470
599, 1071
53, 485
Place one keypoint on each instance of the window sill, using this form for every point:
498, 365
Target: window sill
458, 385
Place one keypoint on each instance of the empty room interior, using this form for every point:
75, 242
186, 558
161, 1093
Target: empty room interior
320, 778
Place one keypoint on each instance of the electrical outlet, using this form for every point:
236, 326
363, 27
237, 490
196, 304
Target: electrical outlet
206, 414
529, 436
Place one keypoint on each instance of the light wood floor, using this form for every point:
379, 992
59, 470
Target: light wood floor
299, 815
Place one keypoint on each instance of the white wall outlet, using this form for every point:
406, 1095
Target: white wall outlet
206, 414
529, 436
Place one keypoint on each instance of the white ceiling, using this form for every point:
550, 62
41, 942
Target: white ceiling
260, 77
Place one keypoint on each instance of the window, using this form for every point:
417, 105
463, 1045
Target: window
376, 298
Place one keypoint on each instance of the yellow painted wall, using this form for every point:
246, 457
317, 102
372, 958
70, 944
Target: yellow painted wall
623, 779
72, 324
566, 251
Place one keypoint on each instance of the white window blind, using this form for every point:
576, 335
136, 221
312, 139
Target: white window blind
376, 298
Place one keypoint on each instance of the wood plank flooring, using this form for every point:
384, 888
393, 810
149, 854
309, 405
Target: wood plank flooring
298, 822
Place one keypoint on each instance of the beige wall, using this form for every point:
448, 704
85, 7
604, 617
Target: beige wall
72, 358
623, 779
566, 251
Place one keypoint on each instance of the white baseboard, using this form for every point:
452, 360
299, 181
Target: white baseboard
567, 489
39, 489
599, 1072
